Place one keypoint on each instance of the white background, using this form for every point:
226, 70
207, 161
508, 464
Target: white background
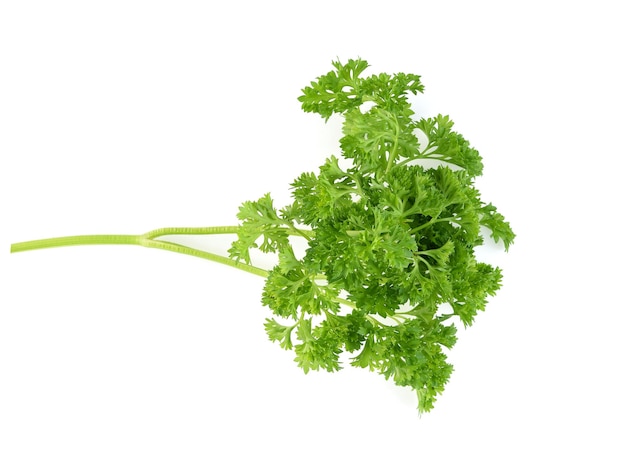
125, 116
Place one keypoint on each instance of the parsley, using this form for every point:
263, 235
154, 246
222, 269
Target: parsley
389, 260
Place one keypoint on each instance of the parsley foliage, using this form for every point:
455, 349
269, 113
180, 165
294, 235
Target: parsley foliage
389, 240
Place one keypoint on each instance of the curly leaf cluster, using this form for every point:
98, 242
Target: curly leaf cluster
390, 238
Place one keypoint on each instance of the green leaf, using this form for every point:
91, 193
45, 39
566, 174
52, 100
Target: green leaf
260, 221
446, 145
336, 91
279, 333
499, 227
315, 353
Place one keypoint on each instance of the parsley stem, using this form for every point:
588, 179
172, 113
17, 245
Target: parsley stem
206, 230
146, 240
173, 247
292, 230
394, 151
433, 220
75, 240
345, 302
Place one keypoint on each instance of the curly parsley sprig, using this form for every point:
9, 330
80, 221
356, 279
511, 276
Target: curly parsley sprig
389, 258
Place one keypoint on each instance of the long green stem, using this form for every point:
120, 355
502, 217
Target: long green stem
147, 240
75, 240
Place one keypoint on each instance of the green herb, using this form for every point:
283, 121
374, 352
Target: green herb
389, 261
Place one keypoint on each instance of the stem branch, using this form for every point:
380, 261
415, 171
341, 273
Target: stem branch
191, 231
146, 240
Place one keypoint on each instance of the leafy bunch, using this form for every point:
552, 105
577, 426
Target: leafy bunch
390, 232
